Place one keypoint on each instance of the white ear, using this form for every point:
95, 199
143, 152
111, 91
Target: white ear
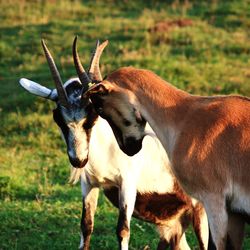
37, 89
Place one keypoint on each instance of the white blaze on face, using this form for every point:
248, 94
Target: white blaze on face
71, 121
77, 141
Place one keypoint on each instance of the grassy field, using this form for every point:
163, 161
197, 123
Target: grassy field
201, 47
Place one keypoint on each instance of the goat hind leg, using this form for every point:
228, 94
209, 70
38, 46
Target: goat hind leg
163, 244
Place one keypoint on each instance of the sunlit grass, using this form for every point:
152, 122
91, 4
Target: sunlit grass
209, 55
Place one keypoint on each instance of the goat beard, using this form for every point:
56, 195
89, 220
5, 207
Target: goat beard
75, 174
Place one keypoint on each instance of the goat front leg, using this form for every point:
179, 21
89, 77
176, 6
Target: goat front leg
236, 229
90, 197
218, 221
127, 196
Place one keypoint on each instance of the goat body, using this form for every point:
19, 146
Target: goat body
145, 183
142, 185
207, 140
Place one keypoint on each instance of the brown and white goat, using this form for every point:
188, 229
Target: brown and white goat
207, 140
142, 185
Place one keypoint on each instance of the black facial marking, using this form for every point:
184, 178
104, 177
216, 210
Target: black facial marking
61, 123
90, 120
73, 87
97, 101
91, 117
74, 90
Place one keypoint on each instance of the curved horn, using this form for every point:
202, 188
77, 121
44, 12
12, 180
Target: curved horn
94, 69
62, 95
83, 76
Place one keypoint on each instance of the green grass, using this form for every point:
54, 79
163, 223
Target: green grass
38, 209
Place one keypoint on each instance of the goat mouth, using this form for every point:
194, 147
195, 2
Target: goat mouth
131, 146
81, 164
84, 163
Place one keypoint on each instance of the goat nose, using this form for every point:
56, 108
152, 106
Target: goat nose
132, 146
75, 162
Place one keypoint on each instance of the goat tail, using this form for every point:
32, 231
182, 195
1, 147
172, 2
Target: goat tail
75, 174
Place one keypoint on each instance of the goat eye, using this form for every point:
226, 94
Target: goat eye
99, 110
126, 122
102, 93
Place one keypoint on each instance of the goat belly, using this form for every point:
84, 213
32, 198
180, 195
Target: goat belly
155, 208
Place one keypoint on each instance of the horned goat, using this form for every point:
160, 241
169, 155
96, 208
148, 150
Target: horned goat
207, 140
142, 185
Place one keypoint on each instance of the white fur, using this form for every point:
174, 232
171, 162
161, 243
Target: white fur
240, 200
77, 142
146, 172
168, 134
108, 165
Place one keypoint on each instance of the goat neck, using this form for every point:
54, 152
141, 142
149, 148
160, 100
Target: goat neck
170, 105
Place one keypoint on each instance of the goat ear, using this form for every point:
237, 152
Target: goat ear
37, 89
99, 89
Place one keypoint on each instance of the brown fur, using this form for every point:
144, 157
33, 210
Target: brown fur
210, 151
215, 129
160, 209
87, 225
122, 229
156, 208
89, 204
236, 226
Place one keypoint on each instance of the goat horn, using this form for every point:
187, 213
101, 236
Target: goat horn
83, 76
94, 69
62, 95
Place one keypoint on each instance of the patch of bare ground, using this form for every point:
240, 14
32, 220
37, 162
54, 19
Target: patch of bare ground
166, 26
